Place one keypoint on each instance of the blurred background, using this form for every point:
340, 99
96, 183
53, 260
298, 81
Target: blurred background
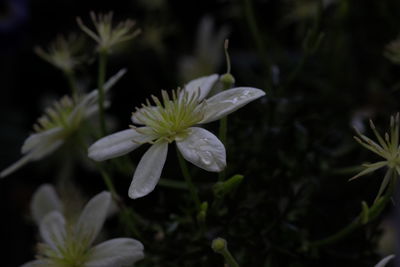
323, 68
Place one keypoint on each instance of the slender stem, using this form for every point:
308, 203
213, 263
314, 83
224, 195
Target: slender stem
107, 180
229, 258
255, 32
374, 212
127, 213
188, 179
223, 130
100, 88
222, 134
219, 245
72, 84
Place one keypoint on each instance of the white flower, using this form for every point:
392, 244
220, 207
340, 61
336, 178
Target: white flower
59, 122
69, 243
384, 261
107, 35
62, 52
174, 120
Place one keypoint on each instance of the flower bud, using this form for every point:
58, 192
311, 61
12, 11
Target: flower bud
218, 244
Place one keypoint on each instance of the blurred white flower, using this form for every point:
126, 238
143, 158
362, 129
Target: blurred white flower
62, 52
59, 122
173, 120
384, 261
106, 35
208, 53
387, 148
392, 51
69, 243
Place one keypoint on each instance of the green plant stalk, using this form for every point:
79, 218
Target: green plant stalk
230, 260
126, 212
188, 179
100, 87
223, 130
72, 84
374, 212
255, 32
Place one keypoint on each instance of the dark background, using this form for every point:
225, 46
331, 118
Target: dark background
299, 136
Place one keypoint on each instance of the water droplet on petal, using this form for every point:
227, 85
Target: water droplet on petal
206, 157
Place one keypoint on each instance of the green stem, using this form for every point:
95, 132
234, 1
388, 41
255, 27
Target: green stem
100, 88
223, 129
223, 123
255, 32
72, 84
188, 179
229, 258
127, 213
374, 212
107, 180
219, 245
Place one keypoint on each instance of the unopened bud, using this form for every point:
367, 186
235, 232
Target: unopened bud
218, 244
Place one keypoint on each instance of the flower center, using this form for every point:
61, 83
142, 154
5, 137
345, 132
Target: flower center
57, 115
171, 118
73, 252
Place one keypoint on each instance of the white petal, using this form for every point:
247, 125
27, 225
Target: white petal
91, 98
228, 101
52, 230
44, 201
46, 149
16, 165
384, 261
116, 144
93, 216
39, 138
39, 152
205, 84
203, 149
138, 117
148, 171
116, 252
114, 79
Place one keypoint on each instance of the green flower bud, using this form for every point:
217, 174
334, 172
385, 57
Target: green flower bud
227, 80
221, 189
202, 214
218, 244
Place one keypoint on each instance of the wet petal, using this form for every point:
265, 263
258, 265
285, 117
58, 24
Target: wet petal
203, 149
204, 83
228, 101
44, 201
116, 252
148, 171
116, 144
93, 216
52, 230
